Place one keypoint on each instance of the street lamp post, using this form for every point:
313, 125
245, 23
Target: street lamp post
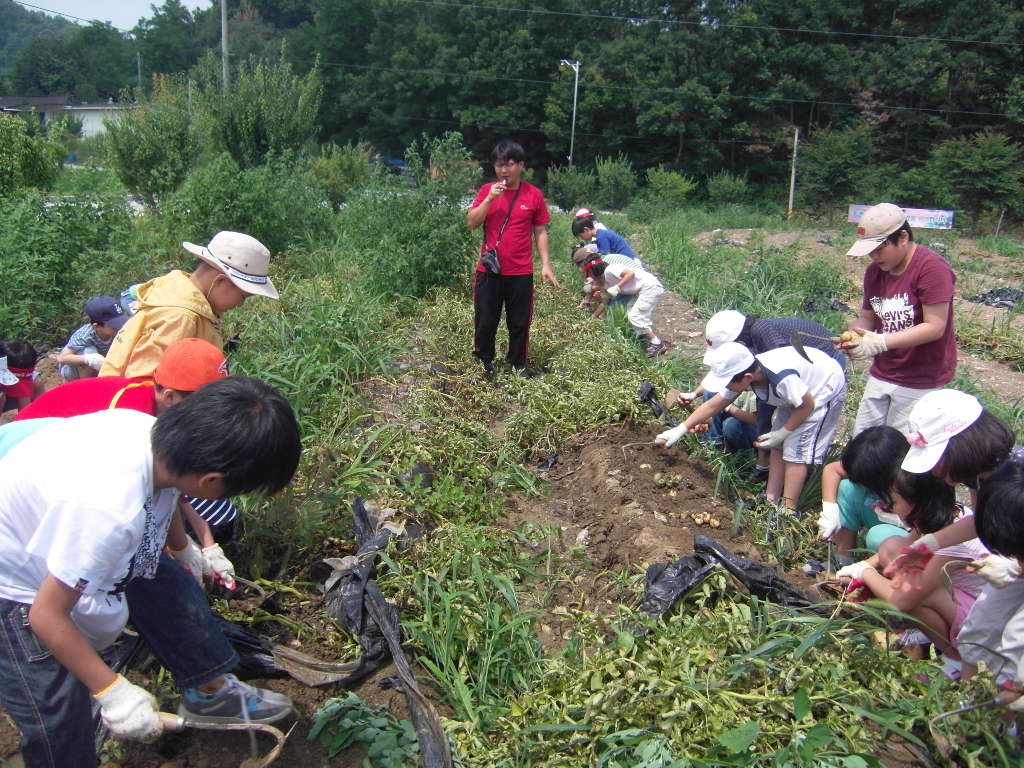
575, 92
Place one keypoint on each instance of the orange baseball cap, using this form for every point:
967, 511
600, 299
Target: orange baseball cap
188, 364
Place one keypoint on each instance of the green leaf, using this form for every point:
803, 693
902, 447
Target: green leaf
625, 641
801, 704
741, 737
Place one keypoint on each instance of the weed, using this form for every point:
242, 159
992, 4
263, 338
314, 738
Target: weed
346, 720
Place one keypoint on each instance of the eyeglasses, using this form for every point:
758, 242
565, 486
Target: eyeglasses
505, 163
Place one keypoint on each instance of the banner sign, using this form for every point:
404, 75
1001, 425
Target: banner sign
925, 218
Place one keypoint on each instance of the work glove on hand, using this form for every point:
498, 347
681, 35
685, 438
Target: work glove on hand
129, 711
828, 521
191, 559
94, 360
913, 559
853, 570
868, 345
217, 567
773, 439
685, 398
997, 570
612, 290
670, 437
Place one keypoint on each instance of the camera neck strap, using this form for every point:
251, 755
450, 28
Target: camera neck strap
511, 207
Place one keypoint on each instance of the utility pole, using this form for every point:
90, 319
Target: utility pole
224, 43
792, 173
575, 93
138, 68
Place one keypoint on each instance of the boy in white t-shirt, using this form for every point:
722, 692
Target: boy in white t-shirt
808, 396
86, 505
646, 290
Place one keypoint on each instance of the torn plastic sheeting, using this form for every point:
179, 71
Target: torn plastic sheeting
760, 580
667, 582
352, 597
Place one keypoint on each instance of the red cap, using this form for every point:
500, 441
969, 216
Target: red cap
188, 364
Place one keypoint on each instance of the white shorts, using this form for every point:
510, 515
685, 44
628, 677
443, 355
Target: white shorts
886, 404
642, 307
810, 441
993, 631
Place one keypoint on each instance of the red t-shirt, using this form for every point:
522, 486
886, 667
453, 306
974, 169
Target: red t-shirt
90, 395
896, 301
515, 253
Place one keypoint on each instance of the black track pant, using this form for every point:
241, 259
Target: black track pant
490, 294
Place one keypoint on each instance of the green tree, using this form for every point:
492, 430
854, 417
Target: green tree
153, 146
983, 171
830, 165
267, 111
168, 40
25, 161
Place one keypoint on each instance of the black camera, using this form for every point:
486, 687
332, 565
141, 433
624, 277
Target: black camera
489, 259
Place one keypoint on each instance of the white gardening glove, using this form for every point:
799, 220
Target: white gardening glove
129, 711
997, 570
1017, 705
93, 359
191, 559
853, 570
670, 437
217, 567
612, 290
685, 398
828, 521
773, 439
868, 345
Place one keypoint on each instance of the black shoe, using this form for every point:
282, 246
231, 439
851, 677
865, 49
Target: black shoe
488, 369
527, 373
758, 476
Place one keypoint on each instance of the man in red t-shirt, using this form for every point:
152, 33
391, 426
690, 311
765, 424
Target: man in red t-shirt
513, 213
906, 319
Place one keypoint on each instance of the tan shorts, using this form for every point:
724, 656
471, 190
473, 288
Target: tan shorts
886, 404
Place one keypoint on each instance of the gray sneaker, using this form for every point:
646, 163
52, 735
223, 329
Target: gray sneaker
235, 702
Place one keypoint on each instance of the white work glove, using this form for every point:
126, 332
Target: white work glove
685, 398
1017, 705
997, 570
589, 285
853, 570
670, 437
868, 345
217, 567
191, 559
612, 290
828, 521
773, 439
129, 711
94, 360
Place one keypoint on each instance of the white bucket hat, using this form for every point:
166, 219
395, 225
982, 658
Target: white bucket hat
934, 419
726, 360
7, 378
722, 327
242, 258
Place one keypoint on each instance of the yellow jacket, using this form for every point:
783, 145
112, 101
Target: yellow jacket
170, 308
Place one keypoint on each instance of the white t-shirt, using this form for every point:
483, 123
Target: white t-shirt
789, 377
641, 278
77, 501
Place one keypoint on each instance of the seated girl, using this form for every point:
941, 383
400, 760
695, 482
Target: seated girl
925, 504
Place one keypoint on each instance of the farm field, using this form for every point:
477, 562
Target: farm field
542, 503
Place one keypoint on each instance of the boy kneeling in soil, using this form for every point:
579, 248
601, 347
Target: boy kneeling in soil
808, 397
86, 505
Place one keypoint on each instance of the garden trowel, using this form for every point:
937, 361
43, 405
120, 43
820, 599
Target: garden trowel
796, 340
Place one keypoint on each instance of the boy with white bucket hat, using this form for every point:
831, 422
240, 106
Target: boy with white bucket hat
232, 267
906, 320
808, 397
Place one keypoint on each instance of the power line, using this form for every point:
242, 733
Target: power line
655, 90
718, 25
67, 15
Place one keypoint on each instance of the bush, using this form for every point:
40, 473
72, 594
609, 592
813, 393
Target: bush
569, 187
341, 171
25, 161
726, 188
616, 182
665, 193
53, 248
278, 203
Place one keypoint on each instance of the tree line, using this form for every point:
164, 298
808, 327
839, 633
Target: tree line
875, 87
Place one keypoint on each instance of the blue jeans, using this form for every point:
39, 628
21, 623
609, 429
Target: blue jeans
738, 435
172, 615
53, 710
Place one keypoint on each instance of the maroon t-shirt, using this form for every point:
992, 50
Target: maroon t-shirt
515, 253
96, 393
897, 302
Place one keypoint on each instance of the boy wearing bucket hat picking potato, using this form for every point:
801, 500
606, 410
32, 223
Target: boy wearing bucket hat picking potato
232, 267
906, 321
